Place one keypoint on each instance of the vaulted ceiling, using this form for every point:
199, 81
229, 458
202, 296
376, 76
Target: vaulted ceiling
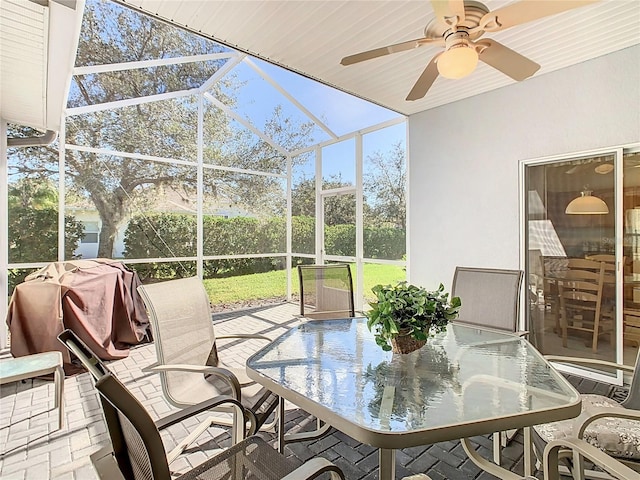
311, 37
39, 39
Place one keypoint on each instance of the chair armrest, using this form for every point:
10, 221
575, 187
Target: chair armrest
314, 468
597, 456
588, 361
106, 465
150, 367
192, 410
586, 418
246, 336
219, 372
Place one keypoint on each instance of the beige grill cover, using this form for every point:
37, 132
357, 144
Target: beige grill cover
97, 299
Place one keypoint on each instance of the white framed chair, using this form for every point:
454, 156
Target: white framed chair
604, 423
326, 291
99, 370
491, 299
190, 368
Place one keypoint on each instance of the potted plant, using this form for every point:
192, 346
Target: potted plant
406, 315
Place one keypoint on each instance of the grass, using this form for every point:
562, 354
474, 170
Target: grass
266, 285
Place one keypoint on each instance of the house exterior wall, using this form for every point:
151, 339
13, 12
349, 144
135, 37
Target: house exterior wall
464, 158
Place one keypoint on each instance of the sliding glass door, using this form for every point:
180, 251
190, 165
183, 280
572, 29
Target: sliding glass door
582, 244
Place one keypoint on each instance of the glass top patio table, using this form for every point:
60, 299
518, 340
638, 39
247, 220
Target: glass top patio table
466, 381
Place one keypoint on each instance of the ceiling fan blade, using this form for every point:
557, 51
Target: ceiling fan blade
506, 60
527, 11
382, 51
424, 82
447, 10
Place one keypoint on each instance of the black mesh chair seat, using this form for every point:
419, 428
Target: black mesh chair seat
139, 452
326, 291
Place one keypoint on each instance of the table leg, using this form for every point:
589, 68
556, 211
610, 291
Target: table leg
280, 425
497, 446
528, 452
486, 465
58, 377
387, 464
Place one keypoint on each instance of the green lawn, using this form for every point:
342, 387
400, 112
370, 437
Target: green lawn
274, 284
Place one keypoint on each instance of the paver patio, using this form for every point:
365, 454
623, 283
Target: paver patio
32, 447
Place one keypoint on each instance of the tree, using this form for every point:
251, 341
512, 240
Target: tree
339, 210
385, 186
119, 186
33, 223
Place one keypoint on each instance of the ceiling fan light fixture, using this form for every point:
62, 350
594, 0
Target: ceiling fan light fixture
458, 61
587, 204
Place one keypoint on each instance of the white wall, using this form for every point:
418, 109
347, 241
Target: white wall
463, 167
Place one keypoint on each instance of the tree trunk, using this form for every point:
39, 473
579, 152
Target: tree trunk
107, 238
111, 209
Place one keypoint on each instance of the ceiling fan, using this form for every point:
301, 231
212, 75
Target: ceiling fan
458, 26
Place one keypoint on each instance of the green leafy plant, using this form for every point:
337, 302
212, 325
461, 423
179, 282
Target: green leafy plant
408, 309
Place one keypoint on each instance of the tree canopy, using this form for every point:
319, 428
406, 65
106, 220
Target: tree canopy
385, 186
118, 185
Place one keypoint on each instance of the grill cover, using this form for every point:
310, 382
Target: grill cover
97, 299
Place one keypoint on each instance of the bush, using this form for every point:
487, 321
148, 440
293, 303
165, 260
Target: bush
33, 235
384, 242
303, 234
176, 237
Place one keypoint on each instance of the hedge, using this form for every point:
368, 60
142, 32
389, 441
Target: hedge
176, 237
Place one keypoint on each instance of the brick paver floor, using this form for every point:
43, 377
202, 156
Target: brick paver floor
32, 447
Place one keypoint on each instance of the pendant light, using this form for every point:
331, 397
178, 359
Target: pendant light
587, 204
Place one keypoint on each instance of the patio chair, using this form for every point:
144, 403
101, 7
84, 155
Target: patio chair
99, 370
138, 453
490, 298
186, 347
326, 291
580, 449
604, 423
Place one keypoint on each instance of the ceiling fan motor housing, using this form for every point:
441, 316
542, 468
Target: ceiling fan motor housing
473, 13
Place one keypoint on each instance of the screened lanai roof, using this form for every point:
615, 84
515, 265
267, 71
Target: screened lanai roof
311, 37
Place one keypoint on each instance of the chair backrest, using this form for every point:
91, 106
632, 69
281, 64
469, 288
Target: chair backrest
182, 328
137, 444
490, 297
140, 452
87, 357
583, 282
326, 291
602, 257
594, 265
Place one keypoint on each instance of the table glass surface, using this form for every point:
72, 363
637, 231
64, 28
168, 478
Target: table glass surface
461, 376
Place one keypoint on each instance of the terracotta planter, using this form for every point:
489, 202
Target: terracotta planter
405, 343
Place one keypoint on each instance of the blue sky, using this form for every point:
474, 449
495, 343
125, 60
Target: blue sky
341, 112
